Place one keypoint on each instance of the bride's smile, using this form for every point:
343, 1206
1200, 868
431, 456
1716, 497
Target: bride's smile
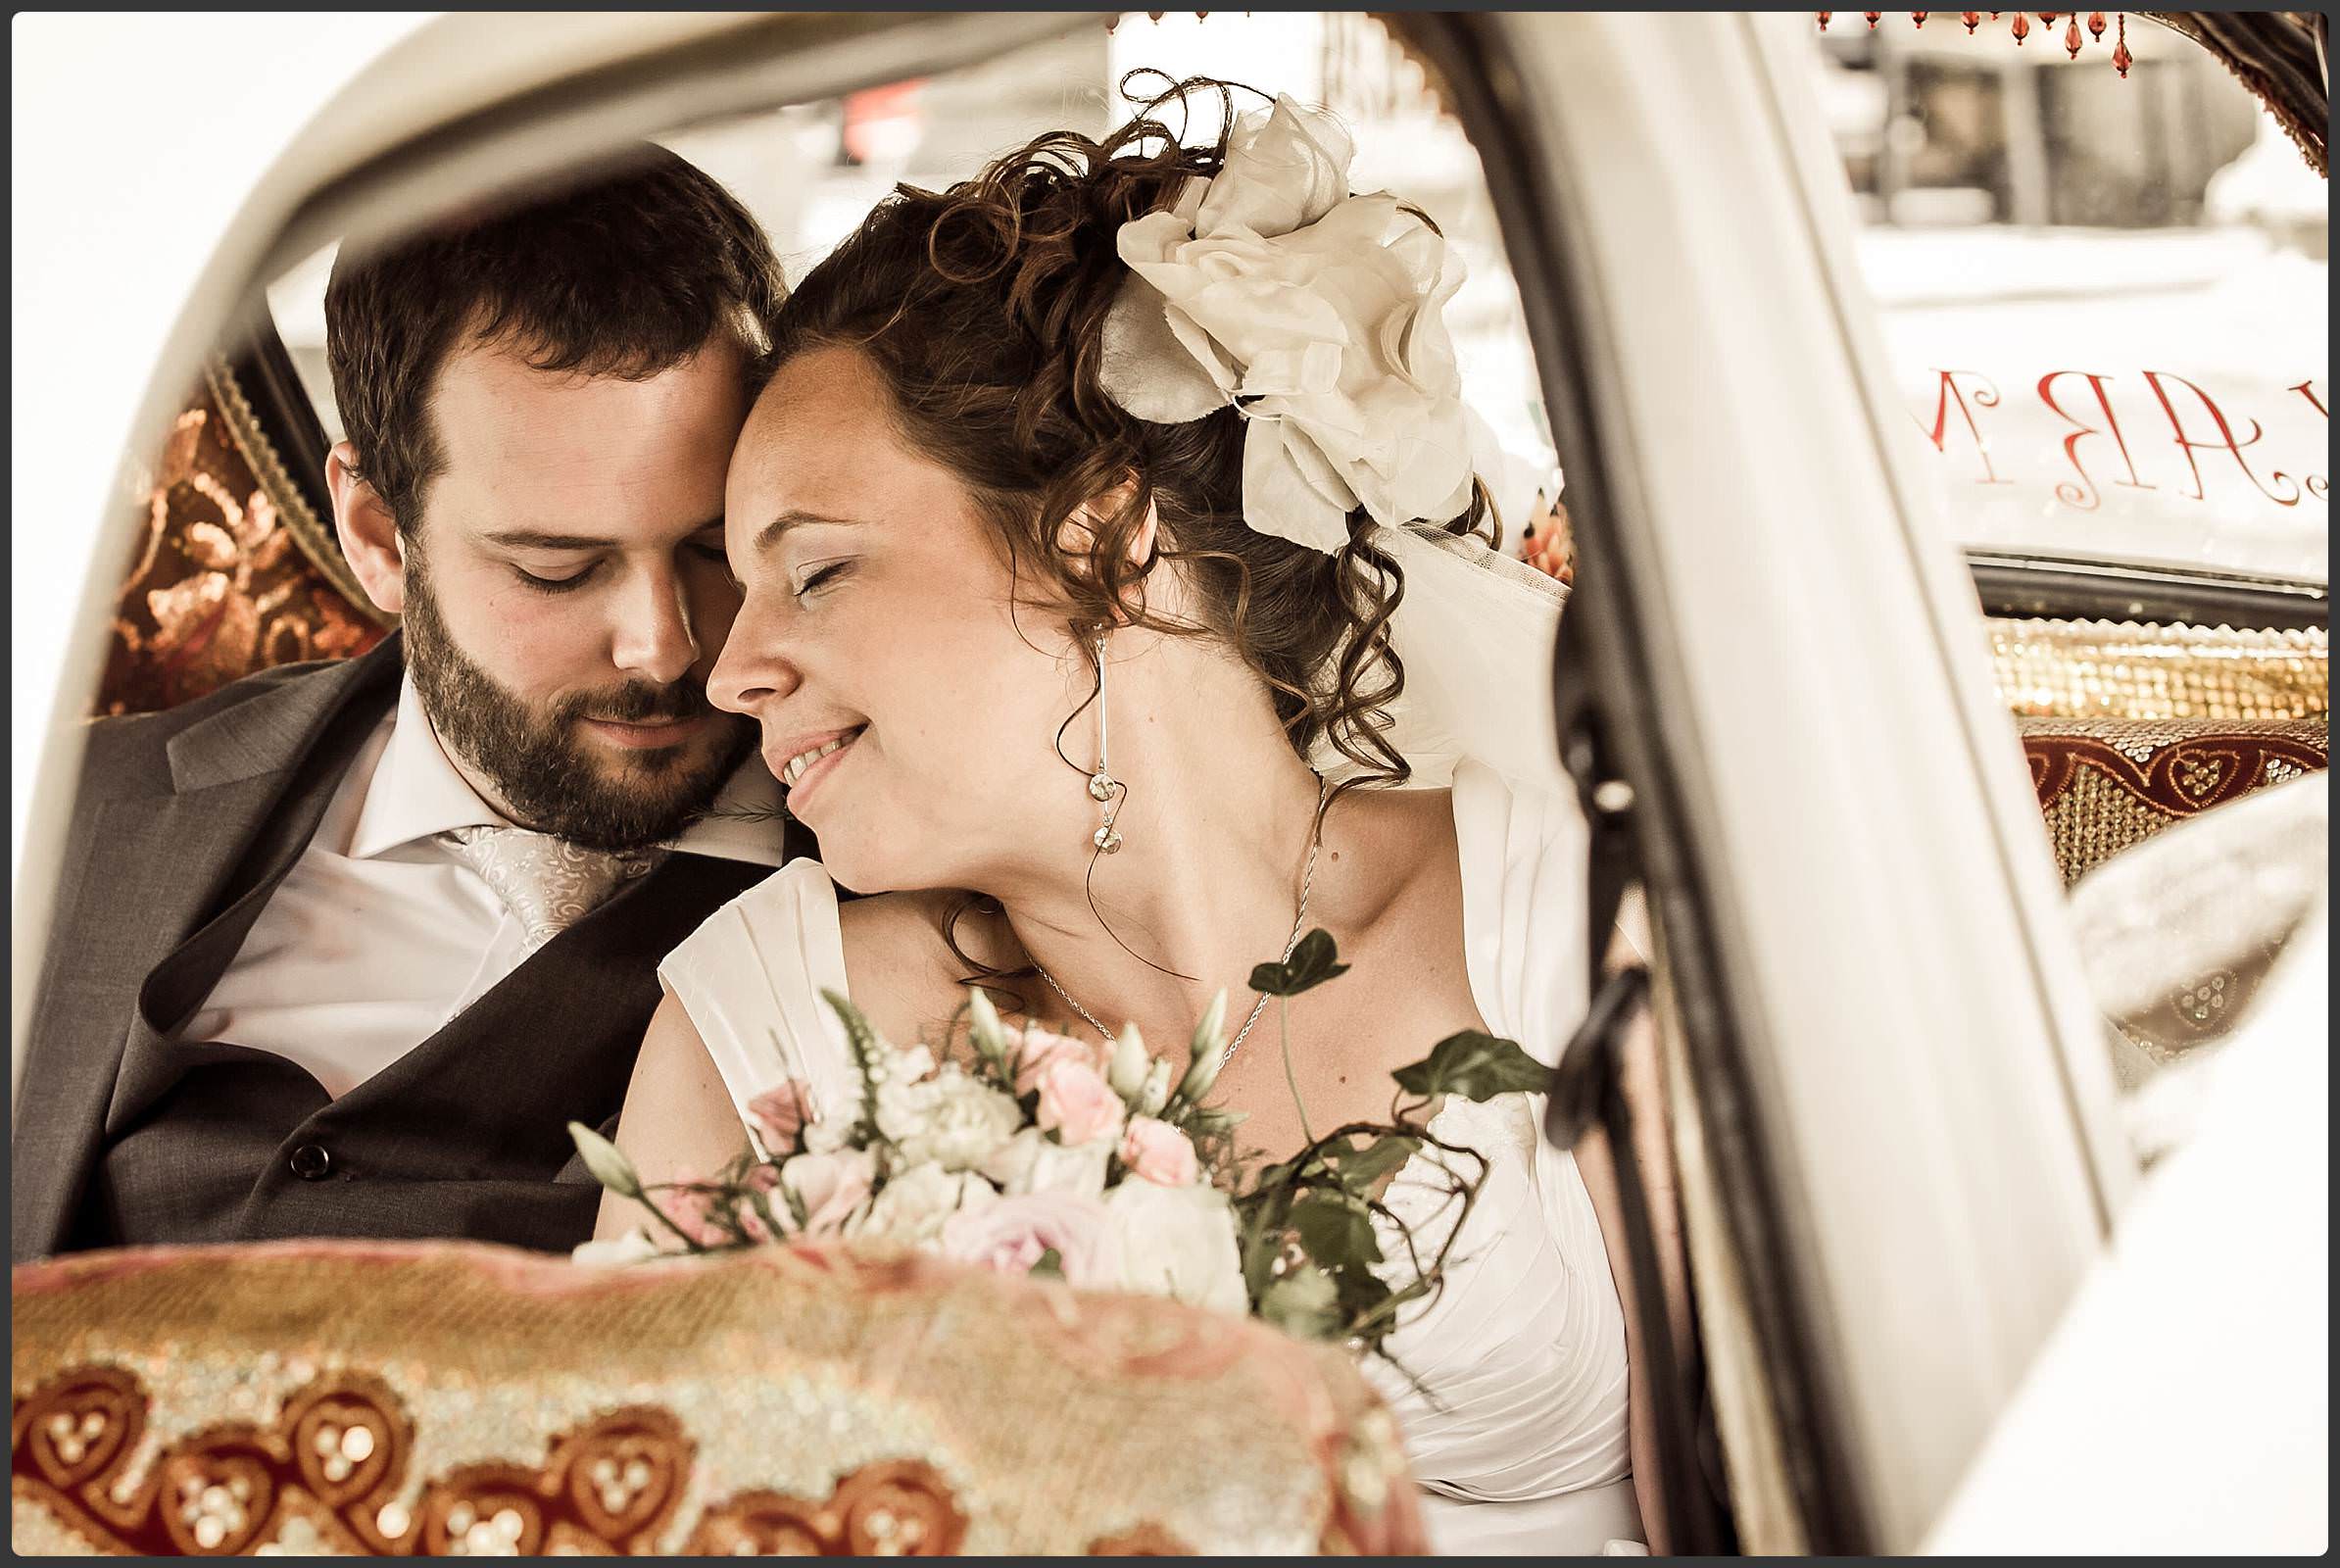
803, 756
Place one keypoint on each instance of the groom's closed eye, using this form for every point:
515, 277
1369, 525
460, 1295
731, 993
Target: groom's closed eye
707, 545
556, 585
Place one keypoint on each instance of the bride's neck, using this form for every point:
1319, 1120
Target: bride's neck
1215, 831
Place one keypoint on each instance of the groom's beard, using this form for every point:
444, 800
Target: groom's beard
539, 762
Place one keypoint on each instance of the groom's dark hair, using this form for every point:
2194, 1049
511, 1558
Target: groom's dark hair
626, 270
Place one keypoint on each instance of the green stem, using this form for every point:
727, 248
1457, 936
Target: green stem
681, 1234
1284, 1032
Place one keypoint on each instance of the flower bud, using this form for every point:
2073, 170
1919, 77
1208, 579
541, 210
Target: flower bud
1206, 1042
609, 1167
1211, 1055
1127, 1069
983, 1026
1156, 1091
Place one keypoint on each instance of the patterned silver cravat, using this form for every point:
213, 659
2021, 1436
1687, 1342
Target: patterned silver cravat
548, 882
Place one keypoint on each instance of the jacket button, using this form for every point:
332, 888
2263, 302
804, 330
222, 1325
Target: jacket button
311, 1162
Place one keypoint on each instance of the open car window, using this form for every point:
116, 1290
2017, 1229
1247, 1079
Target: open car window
811, 172
2099, 268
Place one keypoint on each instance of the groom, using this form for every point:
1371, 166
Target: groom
344, 948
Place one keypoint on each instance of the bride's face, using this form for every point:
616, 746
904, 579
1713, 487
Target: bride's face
908, 708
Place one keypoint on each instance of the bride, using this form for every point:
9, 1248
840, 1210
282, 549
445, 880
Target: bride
1102, 538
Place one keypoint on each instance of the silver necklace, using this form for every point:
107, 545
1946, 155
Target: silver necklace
1316, 841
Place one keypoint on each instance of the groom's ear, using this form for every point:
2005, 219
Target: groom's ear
368, 531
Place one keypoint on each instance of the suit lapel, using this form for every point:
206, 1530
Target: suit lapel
160, 861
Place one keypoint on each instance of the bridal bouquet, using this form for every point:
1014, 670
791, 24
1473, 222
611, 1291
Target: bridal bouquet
1098, 1164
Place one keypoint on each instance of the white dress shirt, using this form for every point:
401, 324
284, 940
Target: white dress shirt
380, 933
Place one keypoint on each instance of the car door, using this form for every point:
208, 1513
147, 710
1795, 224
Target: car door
1908, 1108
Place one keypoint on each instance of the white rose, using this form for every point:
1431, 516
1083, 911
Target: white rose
1034, 1162
913, 1207
1179, 1242
951, 1120
831, 1135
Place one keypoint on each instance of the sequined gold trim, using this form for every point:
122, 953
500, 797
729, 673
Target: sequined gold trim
2140, 671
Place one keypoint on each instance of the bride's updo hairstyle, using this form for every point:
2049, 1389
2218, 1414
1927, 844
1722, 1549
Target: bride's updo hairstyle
983, 309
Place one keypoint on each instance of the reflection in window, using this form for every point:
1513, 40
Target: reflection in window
2103, 297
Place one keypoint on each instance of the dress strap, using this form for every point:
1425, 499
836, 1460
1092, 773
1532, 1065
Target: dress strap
752, 978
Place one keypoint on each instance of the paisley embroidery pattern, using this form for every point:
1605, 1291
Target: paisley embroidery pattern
324, 1476
548, 882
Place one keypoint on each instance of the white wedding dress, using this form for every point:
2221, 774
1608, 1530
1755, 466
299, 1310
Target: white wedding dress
1520, 1439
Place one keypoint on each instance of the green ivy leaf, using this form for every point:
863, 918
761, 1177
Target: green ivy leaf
1311, 965
1361, 1293
1476, 1066
1336, 1230
1360, 1169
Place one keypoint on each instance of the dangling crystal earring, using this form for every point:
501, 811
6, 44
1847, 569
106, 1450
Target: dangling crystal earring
1103, 787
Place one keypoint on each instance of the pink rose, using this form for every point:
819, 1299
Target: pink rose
1076, 1103
1159, 1153
780, 1114
1013, 1234
831, 1186
1033, 1049
765, 1181
691, 1211
751, 1222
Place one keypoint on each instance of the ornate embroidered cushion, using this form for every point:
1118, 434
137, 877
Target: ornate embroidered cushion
236, 572
424, 1399
2106, 784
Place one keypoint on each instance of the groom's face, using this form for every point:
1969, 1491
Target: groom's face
567, 593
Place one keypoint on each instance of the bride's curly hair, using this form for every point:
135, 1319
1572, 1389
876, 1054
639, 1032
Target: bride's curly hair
983, 309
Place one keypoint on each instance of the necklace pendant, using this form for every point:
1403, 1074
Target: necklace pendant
1104, 786
1107, 839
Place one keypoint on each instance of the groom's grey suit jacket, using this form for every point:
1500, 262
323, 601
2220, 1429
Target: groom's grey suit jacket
185, 824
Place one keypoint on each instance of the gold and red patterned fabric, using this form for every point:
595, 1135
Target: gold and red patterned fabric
430, 1398
2106, 784
233, 571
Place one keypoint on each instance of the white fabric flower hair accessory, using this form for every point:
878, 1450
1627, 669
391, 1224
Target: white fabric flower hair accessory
1318, 314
